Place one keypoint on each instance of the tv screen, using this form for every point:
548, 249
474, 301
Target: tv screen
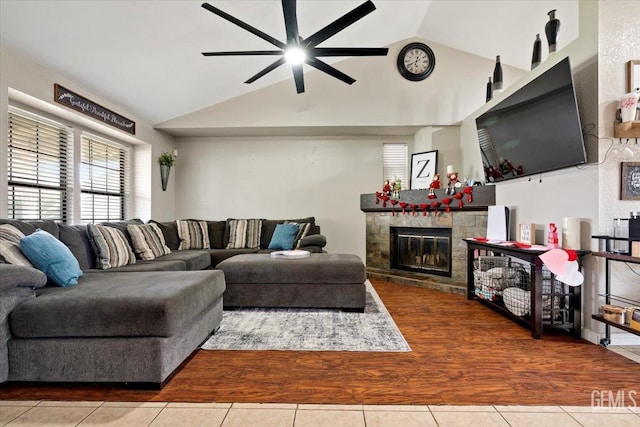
536, 129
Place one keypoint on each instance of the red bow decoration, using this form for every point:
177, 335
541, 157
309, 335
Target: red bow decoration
378, 194
394, 202
403, 205
384, 198
468, 191
413, 209
425, 208
446, 201
459, 197
435, 206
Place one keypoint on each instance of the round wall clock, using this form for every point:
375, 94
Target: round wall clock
416, 61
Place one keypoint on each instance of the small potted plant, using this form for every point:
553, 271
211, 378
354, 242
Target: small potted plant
166, 160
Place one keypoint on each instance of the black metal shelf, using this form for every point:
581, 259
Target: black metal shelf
608, 296
625, 328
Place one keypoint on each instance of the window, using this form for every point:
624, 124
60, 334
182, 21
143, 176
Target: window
39, 172
103, 174
394, 163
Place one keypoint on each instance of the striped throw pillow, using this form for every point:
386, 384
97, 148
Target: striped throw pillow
244, 233
10, 246
302, 232
148, 241
193, 234
111, 247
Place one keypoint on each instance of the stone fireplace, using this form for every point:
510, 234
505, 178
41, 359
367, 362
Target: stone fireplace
383, 221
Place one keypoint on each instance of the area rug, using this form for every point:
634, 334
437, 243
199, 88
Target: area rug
310, 329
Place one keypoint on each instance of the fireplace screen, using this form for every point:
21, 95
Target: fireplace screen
427, 250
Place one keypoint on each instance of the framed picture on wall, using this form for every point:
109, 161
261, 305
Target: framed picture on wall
630, 182
633, 75
423, 168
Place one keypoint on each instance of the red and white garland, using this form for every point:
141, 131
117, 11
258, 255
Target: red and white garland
431, 203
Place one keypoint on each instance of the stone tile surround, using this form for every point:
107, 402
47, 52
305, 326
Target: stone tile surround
463, 224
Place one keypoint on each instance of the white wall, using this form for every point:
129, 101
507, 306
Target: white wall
384, 98
24, 81
553, 195
282, 178
619, 42
293, 176
569, 192
609, 36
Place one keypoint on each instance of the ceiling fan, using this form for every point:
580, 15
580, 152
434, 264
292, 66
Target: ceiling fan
298, 50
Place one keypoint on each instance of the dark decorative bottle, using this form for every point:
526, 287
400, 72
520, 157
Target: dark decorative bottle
489, 90
497, 75
537, 52
551, 30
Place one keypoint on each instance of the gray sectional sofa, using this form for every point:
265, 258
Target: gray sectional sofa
131, 324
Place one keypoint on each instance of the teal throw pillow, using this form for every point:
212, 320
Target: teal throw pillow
52, 257
284, 236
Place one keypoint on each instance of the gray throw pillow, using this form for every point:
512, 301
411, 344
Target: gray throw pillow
170, 233
313, 240
76, 238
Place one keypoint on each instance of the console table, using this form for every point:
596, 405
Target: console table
534, 321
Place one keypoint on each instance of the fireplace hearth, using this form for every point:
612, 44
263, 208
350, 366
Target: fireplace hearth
421, 249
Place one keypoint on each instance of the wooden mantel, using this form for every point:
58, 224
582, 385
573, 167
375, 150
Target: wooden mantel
482, 196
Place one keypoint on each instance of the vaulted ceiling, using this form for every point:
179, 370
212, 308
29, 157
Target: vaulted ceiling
145, 55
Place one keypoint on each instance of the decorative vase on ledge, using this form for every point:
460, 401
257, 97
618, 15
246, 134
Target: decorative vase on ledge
164, 175
497, 75
551, 30
536, 57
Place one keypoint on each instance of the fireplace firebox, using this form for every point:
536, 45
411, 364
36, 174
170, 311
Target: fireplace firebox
424, 250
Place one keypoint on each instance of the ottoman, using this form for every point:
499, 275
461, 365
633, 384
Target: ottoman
321, 281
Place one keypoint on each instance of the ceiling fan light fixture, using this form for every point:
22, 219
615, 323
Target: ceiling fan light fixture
295, 55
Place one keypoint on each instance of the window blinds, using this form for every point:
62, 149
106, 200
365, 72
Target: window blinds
103, 180
394, 163
39, 171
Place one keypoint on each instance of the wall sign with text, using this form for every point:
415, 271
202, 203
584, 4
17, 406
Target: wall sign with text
527, 233
79, 103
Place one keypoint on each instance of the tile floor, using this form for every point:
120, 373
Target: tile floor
56, 413
629, 351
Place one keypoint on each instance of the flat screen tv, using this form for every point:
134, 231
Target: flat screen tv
536, 129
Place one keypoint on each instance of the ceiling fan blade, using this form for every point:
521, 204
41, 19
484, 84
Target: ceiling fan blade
243, 25
298, 77
244, 52
349, 51
323, 66
266, 70
339, 24
290, 21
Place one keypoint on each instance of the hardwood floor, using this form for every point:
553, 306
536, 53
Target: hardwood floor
463, 354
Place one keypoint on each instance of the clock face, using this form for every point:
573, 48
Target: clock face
416, 61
